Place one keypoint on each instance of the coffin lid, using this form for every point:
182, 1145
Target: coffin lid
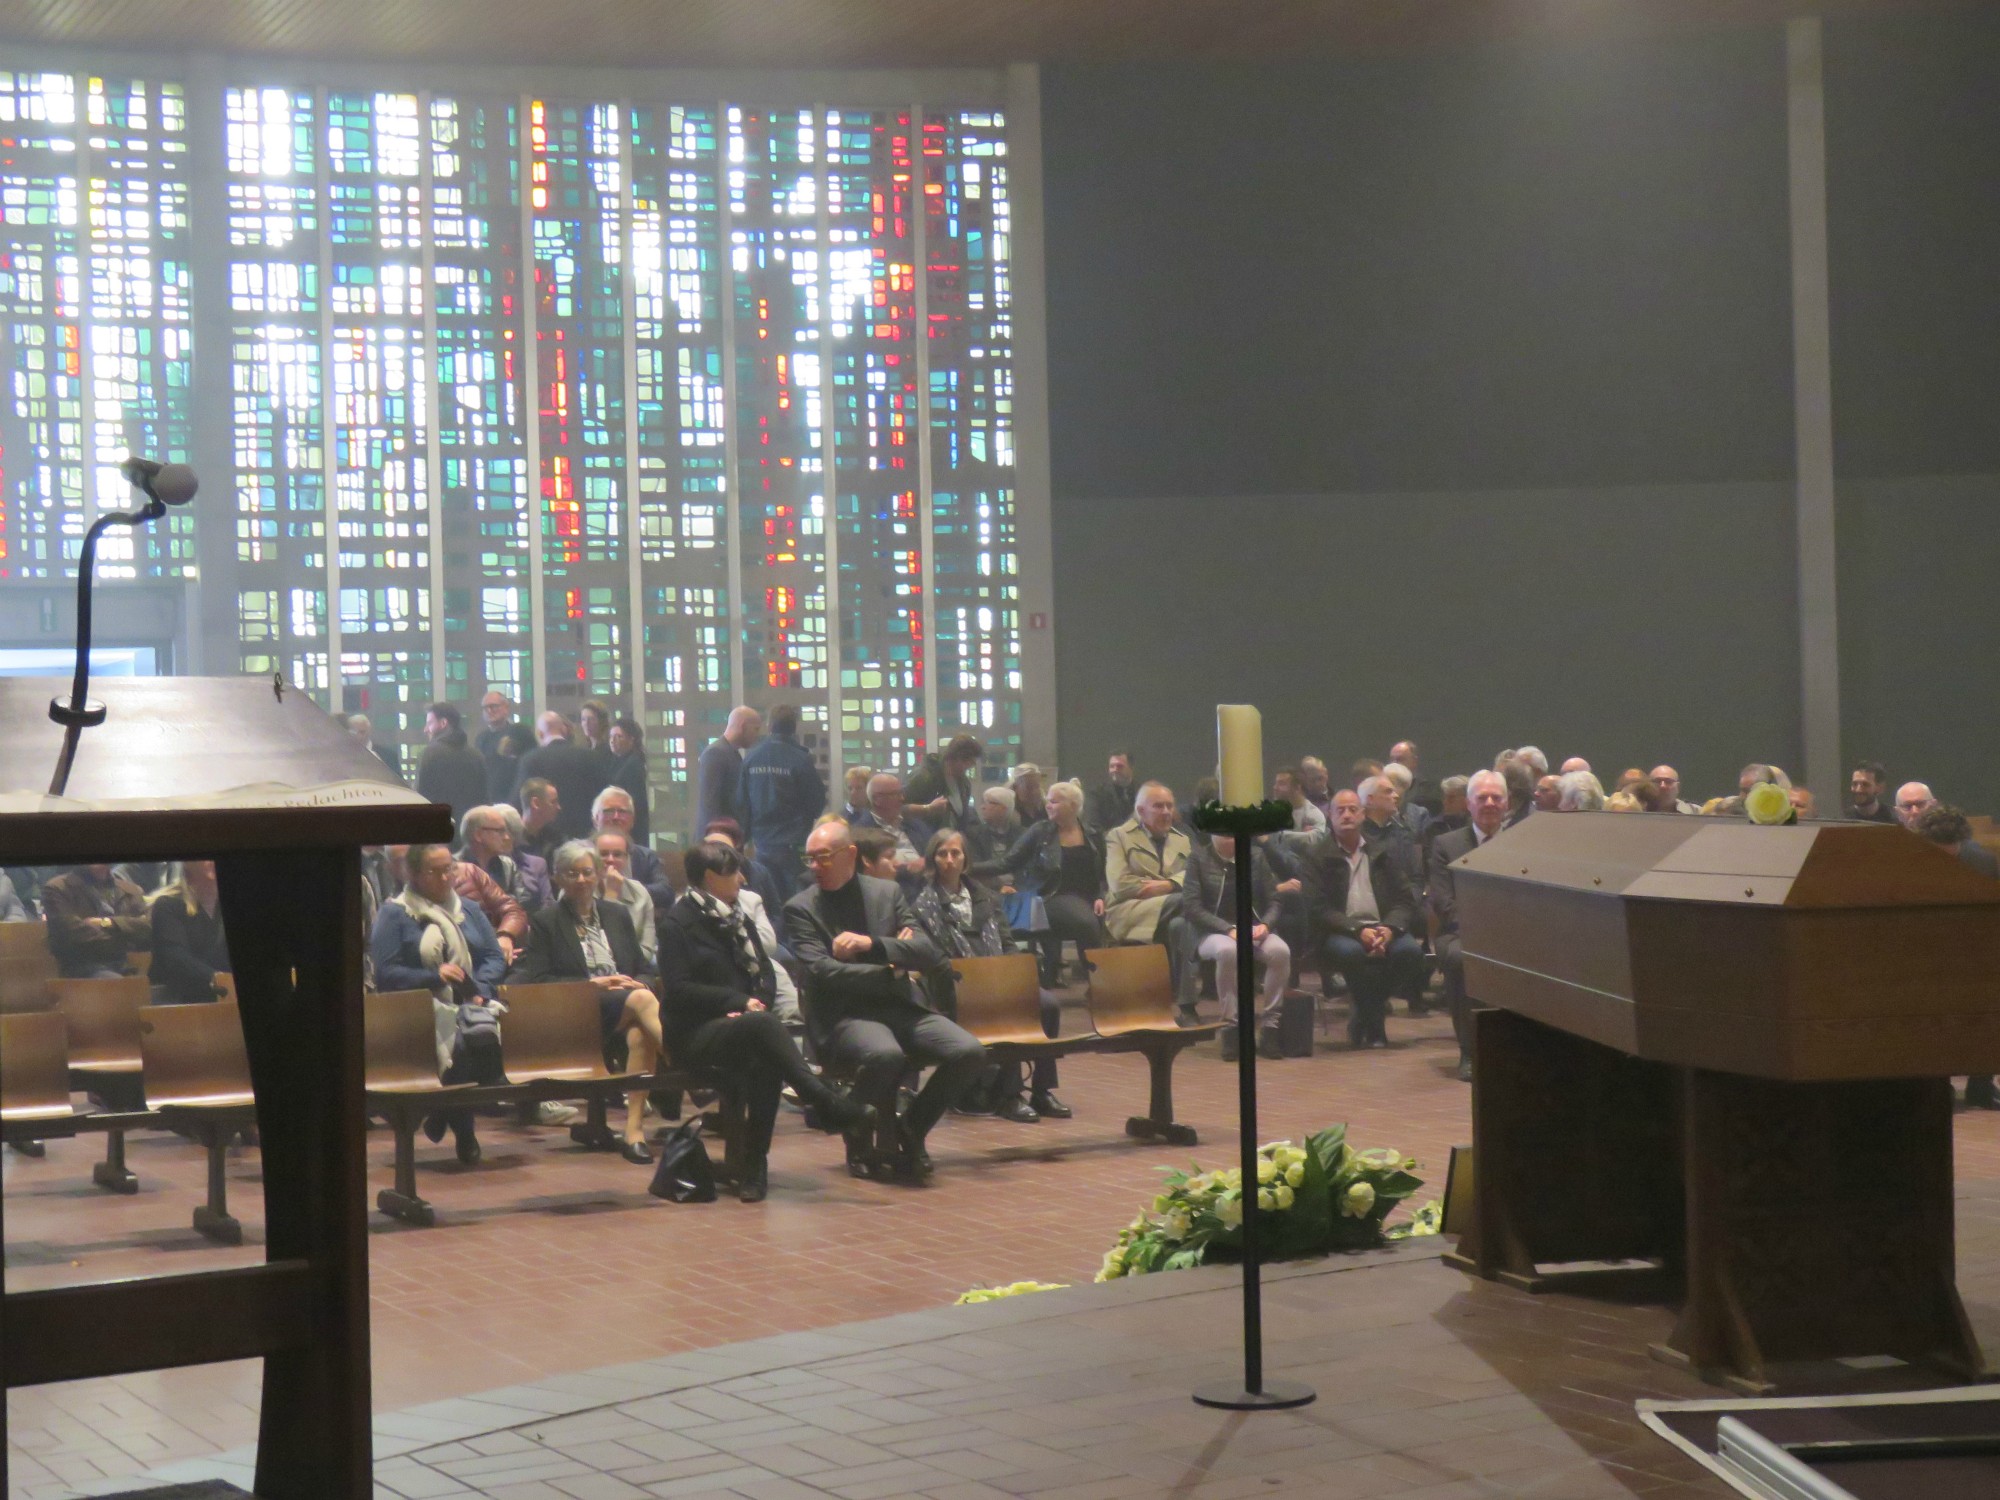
1727, 861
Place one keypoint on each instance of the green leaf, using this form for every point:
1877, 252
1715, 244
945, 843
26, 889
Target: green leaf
1327, 1147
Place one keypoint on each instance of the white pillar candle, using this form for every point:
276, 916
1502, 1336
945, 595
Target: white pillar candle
1239, 733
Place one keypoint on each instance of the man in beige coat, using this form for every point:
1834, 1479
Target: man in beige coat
1145, 861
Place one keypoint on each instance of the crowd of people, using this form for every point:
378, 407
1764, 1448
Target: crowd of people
792, 943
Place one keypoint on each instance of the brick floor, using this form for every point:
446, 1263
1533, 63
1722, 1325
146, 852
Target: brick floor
548, 1259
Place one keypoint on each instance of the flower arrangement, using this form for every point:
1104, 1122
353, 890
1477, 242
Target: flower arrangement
1322, 1196
1014, 1289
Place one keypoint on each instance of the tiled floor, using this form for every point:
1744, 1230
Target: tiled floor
549, 1260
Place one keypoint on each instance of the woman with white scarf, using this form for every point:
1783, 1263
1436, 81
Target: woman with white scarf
720, 993
426, 938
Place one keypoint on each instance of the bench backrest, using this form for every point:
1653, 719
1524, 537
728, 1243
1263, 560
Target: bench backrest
1131, 989
34, 1067
552, 1031
401, 1040
194, 1055
103, 1017
26, 966
999, 999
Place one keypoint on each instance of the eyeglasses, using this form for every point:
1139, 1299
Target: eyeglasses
821, 857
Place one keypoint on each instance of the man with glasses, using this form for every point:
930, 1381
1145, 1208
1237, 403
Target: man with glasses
1668, 780
862, 952
1913, 800
616, 882
911, 833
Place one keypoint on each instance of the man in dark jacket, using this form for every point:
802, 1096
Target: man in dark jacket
1111, 800
1486, 798
941, 789
451, 771
781, 792
1208, 908
496, 719
95, 919
1362, 907
720, 770
860, 946
572, 770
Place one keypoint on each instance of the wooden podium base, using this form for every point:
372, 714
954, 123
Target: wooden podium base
1802, 1221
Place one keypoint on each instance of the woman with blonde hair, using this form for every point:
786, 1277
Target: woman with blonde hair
189, 947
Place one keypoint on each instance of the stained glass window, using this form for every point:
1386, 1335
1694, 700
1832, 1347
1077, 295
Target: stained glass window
676, 402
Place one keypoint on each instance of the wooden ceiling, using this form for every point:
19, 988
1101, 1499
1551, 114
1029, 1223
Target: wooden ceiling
852, 33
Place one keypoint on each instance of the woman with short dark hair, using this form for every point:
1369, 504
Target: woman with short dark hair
721, 995
628, 750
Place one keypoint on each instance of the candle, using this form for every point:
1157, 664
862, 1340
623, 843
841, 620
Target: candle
1239, 733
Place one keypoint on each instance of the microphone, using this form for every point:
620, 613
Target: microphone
167, 484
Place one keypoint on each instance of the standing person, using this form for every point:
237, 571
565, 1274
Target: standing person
719, 975
721, 768
496, 719
569, 768
782, 793
1209, 906
450, 770
1062, 860
427, 938
503, 767
860, 945
360, 727
581, 937
189, 946
541, 820
95, 919
630, 775
593, 723
941, 790
1110, 801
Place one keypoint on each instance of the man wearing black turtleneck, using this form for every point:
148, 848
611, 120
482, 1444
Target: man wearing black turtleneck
860, 947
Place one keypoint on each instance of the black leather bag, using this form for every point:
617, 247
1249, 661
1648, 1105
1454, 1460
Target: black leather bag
1296, 1014
684, 1174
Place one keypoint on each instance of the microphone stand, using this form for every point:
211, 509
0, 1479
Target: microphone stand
80, 712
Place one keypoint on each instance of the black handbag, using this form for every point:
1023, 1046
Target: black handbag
684, 1174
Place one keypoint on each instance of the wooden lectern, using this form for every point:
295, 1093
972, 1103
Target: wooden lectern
1726, 1049
288, 863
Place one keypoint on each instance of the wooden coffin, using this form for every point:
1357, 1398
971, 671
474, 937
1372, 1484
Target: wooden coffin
1815, 951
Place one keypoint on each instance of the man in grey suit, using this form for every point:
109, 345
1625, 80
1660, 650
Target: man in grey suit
862, 951
1486, 800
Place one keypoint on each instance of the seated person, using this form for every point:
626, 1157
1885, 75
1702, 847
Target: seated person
1486, 796
875, 853
581, 937
758, 877
759, 907
615, 812
486, 842
909, 832
1362, 907
427, 938
1061, 859
1145, 862
95, 919
616, 882
964, 919
503, 913
860, 947
719, 976
12, 907
1208, 907
189, 949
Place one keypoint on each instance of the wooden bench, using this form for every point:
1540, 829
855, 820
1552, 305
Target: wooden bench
552, 1049
197, 1079
1131, 1010
26, 966
105, 1059
34, 1076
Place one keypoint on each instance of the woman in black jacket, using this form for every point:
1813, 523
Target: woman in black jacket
579, 937
189, 948
720, 991
628, 749
1062, 861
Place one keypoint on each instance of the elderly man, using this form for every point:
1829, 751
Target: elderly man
718, 792
1802, 802
505, 915
1574, 763
862, 950
486, 841
1145, 865
1913, 800
1548, 793
496, 718
1579, 791
1757, 771
613, 811
360, 727
887, 812
1486, 798
572, 770
1362, 910
1452, 793
95, 919
1413, 815
1668, 780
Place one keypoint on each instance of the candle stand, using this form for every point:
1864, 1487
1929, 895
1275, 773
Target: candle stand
1254, 1392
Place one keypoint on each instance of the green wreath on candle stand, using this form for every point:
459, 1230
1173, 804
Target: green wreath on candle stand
1244, 822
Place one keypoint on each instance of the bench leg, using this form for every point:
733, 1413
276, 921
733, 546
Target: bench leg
212, 1219
595, 1131
111, 1172
401, 1201
1158, 1122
